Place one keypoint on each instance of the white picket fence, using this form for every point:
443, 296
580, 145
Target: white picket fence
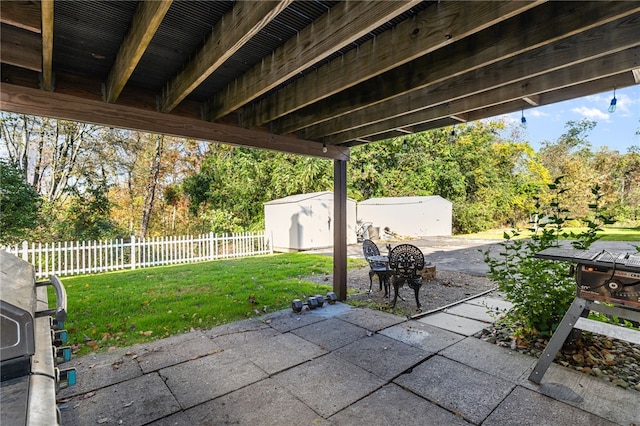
86, 257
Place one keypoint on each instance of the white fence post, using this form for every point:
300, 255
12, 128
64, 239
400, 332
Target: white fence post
133, 252
25, 251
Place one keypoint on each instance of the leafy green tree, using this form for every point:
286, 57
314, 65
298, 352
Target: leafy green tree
19, 204
489, 180
87, 217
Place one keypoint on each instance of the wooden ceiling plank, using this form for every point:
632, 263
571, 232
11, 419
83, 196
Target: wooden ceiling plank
25, 100
344, 23
572, 92
245, 20
431, 29
144, 24
561, 53
532, 100
525, 32
579, 74
21, 14
21, 48
47, 44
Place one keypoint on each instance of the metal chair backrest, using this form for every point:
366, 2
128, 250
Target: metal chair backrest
369, 248
405, 260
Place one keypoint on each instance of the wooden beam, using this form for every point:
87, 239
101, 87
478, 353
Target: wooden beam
235, 29
580, 73
431, 29
562, 53
144, 24
340, 229
460, 117
533, 100
47, 44
21, 48
344, 23
619, 80
24, 100
21, 14
522, 33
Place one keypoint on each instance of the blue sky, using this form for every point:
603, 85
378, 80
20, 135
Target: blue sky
614, 130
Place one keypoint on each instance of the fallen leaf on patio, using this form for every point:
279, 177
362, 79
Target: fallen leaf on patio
102, 420
88, 395
128, 404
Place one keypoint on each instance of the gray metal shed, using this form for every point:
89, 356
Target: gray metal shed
408, 216
305, 221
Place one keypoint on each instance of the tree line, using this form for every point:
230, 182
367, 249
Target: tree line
69, 181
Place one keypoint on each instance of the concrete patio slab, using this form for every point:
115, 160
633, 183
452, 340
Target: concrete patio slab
209, 377
264, 403
370, 319
426, 337
505, 363
527, 408
177, 419
460, 325
287, 320
332, 333
170, 351
474, 312
280, 352
407, 373
492, 303
251, 324
589, 394
382, 356
393, 405
457, 387
329, 384
97, 371
233, 340
134, 402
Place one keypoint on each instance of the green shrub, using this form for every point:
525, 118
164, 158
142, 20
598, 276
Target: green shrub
541, 290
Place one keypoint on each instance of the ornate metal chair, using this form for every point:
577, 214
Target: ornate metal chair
379, 268
405, 260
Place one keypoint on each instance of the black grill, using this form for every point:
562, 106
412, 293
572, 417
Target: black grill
32, 339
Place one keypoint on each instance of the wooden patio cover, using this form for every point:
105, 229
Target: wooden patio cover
308, 77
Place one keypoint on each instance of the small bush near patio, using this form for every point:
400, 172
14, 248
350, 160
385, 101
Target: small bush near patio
124, 308
541, 290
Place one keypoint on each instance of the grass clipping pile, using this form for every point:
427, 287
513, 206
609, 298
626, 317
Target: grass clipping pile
447, 287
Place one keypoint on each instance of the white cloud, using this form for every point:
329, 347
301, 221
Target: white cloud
625, 103
592, 113
537, 113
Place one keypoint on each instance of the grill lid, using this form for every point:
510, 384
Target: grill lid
17, 306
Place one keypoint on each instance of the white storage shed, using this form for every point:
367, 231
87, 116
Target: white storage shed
305, 221
408, 216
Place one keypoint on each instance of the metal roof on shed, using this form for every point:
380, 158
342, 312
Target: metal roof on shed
387, 201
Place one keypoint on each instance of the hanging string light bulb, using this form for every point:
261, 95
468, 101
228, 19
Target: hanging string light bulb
452, 135
614, 101
523, 120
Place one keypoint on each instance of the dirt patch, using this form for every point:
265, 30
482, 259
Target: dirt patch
447, 287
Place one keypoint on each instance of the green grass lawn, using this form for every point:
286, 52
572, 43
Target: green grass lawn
608, 234
124, 308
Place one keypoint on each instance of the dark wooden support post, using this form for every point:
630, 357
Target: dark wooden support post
340, 228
